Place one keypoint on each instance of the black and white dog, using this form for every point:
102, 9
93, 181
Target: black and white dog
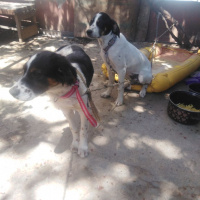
119, 55
56, 73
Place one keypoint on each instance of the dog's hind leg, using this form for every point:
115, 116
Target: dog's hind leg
144, 78
127, 85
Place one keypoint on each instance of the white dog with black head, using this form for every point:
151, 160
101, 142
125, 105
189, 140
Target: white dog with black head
58, 74
119, 55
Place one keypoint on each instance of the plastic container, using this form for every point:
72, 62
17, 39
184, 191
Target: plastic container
181, 115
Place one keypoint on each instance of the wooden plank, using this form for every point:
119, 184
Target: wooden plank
10, 8
29, 31
8, 27
20, 1
19, 30
26, 15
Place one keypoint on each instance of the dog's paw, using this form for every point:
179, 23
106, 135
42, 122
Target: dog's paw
119, 102
74, 146
83, 151
142, 93
105, 94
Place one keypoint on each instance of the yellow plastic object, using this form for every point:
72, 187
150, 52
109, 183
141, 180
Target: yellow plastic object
168, 77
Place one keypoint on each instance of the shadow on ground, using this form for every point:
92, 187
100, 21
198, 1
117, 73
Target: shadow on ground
137, 152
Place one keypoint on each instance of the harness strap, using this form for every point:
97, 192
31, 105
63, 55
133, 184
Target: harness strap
92, 105
74, 89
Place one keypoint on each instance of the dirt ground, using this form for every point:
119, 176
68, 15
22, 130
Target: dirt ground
137, 153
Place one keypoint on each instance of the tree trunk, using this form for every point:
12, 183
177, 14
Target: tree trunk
143, 21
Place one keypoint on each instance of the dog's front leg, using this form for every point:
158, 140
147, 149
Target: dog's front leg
74, 127
120, 97
111, 76
83, 144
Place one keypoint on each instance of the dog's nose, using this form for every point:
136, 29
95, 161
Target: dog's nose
14, 91
89, 32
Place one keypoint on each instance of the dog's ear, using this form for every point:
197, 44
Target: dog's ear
64, 72
115, 28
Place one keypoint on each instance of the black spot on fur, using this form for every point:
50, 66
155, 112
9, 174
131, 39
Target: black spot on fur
63, 71
106, 25
79, 57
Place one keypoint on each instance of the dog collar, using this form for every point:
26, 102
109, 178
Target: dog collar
110, 43
73, 89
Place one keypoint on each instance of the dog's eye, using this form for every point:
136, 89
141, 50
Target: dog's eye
36, 74
98, 22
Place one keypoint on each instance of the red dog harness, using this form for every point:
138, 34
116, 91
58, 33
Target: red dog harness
74, 89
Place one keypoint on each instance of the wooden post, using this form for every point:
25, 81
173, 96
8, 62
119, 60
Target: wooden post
19, 30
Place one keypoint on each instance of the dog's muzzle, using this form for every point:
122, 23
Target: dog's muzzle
22, 92
14, 91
